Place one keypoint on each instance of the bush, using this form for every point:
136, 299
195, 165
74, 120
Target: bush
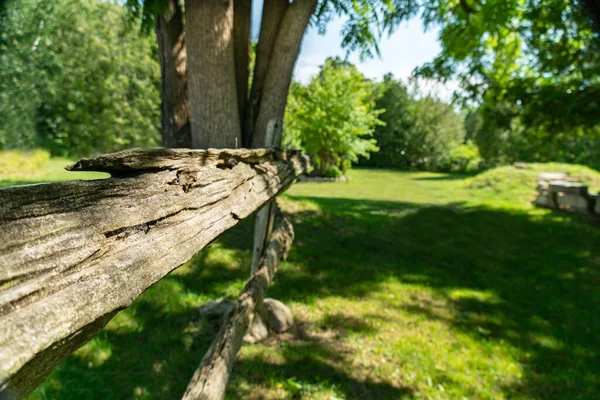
463, 157
22, 163
333, 118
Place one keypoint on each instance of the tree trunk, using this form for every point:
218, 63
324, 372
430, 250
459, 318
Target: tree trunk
279, 76
211, 74
175, 107
273, 12
242, 19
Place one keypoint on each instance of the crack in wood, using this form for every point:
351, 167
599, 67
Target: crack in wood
72, 253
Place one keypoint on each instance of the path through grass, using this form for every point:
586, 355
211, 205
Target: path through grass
403, 285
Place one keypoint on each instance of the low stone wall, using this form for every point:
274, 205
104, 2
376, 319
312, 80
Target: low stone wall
556, 191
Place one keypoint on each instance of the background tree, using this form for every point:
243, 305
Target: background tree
75, 79
533, 67
419, 132
333, 118
392, 138
221, 29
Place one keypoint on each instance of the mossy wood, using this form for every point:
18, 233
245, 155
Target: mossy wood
74, 253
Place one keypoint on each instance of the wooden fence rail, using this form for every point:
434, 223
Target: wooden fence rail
74, 253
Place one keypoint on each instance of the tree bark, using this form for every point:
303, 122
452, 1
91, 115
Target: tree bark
74, 253
210, 379
175, 107
211, 74
242, 19
273, 12
279, 76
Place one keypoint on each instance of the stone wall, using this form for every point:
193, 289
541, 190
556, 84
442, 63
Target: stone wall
556, 191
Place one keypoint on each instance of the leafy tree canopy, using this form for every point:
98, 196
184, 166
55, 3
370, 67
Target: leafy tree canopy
419, 132
333, 117
538, 60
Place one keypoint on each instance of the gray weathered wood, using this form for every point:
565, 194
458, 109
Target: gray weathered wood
74, 253
163, 159
210, 379
263, 222
263, 226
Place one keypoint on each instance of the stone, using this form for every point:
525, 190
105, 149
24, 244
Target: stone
544, 200
277, 315
568, 187
522, 165
573, 202
542, 185
597, 204
216, 309
257, 332
552, 176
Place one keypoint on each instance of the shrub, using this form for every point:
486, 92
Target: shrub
22, 163
463, 157
333, 118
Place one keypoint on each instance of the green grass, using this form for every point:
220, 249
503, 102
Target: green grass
53, 170
403, 285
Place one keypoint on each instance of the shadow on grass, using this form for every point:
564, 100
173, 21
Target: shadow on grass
446, 177
544, 271
311, 361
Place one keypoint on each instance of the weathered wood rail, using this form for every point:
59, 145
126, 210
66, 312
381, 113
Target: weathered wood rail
74, 253
211, 377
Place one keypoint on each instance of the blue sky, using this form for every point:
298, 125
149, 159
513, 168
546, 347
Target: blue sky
408, 47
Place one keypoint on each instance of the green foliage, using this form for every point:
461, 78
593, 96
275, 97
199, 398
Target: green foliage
419, 133
333, 118
500, 144
21, 162
511, 184
532, 66
393, 137
463, 157
74, 79
144, 12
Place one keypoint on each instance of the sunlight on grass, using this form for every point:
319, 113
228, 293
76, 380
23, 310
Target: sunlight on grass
96, 352
52, 170
403, 285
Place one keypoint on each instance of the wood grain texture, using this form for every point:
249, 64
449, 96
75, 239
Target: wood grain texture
209, 382
73, 253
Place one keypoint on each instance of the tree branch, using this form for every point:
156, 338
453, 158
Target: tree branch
273, 12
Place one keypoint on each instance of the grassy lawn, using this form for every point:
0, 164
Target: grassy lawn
403, 285
53, 170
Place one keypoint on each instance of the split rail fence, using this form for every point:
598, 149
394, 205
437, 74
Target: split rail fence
72, 254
